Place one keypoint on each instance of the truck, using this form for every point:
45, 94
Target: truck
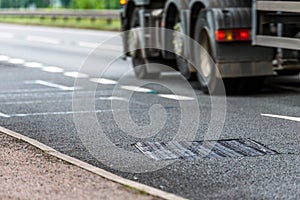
247, 40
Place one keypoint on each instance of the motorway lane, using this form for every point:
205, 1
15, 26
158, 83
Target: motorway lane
64, 48
44, 112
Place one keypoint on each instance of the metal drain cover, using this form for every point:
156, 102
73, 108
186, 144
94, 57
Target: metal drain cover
207, 149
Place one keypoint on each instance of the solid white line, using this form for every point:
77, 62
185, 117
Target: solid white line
76, 75
33, 65
6, 35
103, 81
4, 115
176, 97
60, 113
112, 98
136, 88
48, 40
98, 171
53, 85
297, 119
16, 61
53, 69
4, 58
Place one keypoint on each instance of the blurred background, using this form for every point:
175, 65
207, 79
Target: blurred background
89, 14
74, 4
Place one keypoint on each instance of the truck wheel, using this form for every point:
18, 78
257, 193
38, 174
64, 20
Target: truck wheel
178, 44
139, 62
210, 81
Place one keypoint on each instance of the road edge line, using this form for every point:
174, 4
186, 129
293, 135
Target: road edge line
88, 167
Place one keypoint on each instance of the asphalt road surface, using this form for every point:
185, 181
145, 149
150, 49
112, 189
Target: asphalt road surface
85, 103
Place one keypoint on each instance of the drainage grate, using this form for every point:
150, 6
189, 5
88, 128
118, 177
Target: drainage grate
207, 149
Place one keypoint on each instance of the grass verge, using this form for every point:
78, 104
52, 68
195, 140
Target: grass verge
99, 24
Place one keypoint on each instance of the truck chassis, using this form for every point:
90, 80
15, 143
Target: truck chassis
224, 28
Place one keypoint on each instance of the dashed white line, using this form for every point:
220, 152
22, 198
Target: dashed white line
176, 97
53, 69
16, 61
88, 44
94, 45
48, 40
4, 115
61, 113
112, 98
111, 47
4, 58
297, 119
33, 65
103, 81
136, 89
53, 85
76, 75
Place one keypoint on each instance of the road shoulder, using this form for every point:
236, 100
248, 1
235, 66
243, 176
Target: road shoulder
30, 173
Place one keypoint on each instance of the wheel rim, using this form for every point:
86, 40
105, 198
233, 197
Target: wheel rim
205, 59
177, 40
139, 64
133, 42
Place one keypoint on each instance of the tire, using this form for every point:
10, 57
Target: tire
182, 64
139, 62
207, 74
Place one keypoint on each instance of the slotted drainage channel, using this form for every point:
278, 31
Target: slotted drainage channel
207, 149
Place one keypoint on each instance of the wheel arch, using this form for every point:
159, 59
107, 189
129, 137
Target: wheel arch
128, 14
195, 10
171, 10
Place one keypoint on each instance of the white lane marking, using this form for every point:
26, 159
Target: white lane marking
6, 35
111, 47
16, 61
170, 74
33, 65
76, 75
176, 97
113, 98
297, 119
95, 45
48, 40
53, 69
103, 81
48, 84
4, 115
88, 44
4, 58
61, 113
136, 88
